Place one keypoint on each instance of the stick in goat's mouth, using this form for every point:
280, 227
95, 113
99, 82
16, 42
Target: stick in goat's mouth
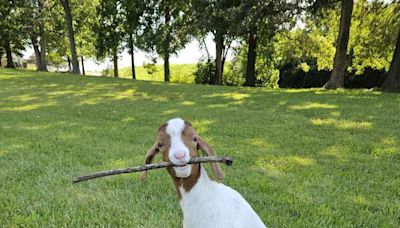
225, 160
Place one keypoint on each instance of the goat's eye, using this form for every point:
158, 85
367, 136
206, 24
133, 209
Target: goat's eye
160, 145
194, 139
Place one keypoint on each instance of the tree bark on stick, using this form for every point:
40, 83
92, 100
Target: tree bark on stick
7, 47
71, 36
225, 160
392, 82
132, 52
340, 60
251, 59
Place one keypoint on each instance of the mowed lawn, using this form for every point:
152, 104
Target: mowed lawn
303, 158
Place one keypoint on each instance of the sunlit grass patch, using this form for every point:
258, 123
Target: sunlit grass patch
309, 105
342, 124
388, 146
284, 163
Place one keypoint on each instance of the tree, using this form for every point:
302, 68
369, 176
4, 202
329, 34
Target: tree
12, 38
132, 11
165, 30
35, 25
220, 18
371, 44
35, 14
392, 83
109, 31
261, 21
71, 35
84, 12
339, 65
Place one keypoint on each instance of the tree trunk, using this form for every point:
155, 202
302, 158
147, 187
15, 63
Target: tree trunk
339, 64
37, 52
167, 43
69, 64
132, 50
219, 47
83, 65
115, 60
7, 47
166, 68
71, 36
42, 42
392, 82
43, 48
251, 59
1, 55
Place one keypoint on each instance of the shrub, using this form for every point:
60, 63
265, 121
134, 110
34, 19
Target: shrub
205, 72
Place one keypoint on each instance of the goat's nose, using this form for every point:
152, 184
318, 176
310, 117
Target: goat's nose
179, 155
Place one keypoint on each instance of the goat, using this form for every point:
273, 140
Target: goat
204, 202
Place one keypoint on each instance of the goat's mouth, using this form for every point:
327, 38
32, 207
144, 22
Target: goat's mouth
183, 171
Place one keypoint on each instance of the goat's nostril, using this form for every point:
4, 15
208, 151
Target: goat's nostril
179, 156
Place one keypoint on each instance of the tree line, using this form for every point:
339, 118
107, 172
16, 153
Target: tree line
269, 35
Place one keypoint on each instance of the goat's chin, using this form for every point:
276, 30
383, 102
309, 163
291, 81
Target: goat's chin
183, 171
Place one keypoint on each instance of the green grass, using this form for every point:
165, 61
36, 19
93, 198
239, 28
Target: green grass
180, 73
303, 158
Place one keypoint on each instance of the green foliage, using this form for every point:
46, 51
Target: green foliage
266, 73
374, 34
371, 43
56, 126
56, 32
150, 68
11, 26
205, 72
109, 29
55, 59
315, 41
161, 36
84, 16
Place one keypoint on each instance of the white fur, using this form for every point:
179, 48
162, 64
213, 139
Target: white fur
183, 171
212, 204
174, 130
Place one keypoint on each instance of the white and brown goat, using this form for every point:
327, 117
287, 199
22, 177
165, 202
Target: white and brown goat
204, 202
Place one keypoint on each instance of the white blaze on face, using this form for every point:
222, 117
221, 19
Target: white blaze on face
178, 153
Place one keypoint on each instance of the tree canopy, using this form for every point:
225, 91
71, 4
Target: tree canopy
273, 41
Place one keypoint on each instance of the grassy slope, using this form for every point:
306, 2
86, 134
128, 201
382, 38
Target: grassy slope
304, 158
182, 73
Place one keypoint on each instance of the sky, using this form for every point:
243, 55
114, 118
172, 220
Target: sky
190, 54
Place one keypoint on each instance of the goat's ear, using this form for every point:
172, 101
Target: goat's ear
203, 145
149, 158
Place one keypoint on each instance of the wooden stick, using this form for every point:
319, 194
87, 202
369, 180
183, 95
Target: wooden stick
225, 160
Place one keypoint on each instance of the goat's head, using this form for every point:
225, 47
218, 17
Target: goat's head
178, 142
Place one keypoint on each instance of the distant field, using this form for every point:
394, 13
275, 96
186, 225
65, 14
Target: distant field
180, 73
303, 158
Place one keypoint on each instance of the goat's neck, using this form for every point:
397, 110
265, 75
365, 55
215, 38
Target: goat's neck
186, 184
202, 187
201, 196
